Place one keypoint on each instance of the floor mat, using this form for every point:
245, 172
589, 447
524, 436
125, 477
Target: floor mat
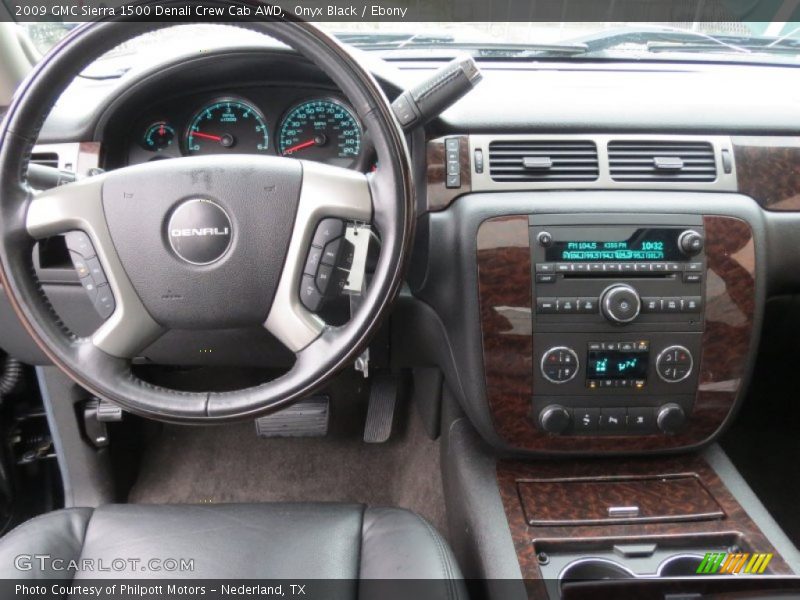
230, 464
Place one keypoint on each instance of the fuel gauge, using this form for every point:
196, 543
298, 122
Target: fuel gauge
158, 136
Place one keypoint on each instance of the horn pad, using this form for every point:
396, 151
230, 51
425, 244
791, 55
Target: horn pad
204, 240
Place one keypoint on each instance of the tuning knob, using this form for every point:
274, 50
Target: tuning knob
554, 418
670, 418
691, 242
620, 303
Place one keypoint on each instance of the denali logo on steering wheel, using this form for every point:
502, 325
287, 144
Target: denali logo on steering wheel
206, 231
199, 231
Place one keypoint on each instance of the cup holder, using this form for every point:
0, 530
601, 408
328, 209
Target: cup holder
681, 565
594, 569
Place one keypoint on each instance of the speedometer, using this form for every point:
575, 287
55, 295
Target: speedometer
227, 125
324, 130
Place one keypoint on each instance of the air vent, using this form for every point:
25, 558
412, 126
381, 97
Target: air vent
661, 161
47, 159
545, 160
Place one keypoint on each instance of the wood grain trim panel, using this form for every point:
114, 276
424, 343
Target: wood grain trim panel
440, 196
548, 502
505, 296
527, 538
768, 170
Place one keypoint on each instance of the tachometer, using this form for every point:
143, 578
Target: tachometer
227, 125
324, 130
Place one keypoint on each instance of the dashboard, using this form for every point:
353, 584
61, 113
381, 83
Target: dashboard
295, 121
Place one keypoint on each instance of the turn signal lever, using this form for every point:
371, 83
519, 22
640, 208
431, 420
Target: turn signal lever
428, 99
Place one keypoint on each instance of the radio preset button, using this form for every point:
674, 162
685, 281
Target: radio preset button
694, 266
545, 278
567, 305
587, 305
546, 305
545, 268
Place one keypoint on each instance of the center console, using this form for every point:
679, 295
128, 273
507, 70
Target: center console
614, 332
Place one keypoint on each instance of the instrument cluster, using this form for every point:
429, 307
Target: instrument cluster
297, 123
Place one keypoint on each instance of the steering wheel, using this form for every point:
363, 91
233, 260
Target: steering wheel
234, 231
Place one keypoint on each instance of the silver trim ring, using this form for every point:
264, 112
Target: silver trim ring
619, 287
554, 349
186, 204
675, 347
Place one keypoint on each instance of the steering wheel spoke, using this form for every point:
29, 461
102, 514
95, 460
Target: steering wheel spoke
76, 210
327, 193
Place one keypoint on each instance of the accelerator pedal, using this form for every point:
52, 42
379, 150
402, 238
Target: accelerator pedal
306, 418
380, 412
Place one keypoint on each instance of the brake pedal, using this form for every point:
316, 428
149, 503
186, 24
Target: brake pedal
380, 412
306, 418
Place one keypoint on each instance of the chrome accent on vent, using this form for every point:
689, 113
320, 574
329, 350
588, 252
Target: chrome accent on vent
75, 157
545, 160
649, 160
665, 180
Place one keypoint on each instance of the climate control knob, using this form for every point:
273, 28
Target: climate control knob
674, 364
559, 364
554, 418
670, 418
691, 242
620, 303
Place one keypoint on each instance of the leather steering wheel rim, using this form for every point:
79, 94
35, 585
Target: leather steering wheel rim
99, 366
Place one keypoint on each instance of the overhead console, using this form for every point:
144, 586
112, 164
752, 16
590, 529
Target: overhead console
639, 330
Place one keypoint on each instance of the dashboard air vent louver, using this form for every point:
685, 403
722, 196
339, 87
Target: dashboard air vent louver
661, 161
543, 160
46, 159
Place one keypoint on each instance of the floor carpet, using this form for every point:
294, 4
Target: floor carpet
230, 464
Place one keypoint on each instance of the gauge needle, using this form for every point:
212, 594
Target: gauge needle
300, 146
207, 136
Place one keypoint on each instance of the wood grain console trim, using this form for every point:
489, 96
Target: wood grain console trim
439, 195
529, 540
505, 296
768, 170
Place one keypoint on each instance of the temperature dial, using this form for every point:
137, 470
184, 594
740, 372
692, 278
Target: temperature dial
158, 136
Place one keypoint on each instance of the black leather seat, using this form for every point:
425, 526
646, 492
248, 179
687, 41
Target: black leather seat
236, 541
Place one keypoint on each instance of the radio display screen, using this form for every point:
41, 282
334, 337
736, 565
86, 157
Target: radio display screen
643, 246
617, 364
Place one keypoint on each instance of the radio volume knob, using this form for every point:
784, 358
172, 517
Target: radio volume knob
620, 303
691, 242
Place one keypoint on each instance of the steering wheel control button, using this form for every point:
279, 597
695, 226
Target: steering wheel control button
330, 254
559, 364
310, 295
324, 276
620, 303
200, 231
96, 271
313, 260
327, 230
79, 243
104, 301
674, 364
81, 267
